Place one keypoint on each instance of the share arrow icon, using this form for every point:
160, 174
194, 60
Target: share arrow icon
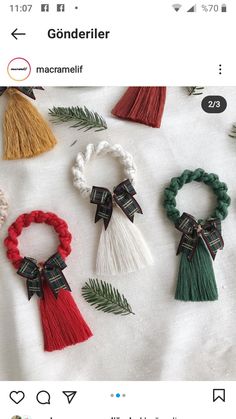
70, 395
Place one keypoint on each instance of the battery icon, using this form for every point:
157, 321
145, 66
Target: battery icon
224, 8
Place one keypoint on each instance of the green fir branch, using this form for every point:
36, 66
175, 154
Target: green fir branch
232, 133
82, 117
105, 297
195, 90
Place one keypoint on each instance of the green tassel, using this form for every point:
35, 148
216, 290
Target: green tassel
196, 278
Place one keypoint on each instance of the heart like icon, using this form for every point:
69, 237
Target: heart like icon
17, 396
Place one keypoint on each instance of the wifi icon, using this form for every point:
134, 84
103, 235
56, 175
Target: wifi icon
176, 7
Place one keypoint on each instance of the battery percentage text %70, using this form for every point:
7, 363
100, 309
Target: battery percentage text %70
210, 8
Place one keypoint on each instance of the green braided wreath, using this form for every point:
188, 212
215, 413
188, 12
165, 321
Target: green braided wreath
201, 239
199, 175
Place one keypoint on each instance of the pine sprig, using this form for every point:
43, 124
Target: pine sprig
195, 90
82, 116
105, 297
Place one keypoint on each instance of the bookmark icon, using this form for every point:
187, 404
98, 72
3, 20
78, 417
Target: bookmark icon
218, 394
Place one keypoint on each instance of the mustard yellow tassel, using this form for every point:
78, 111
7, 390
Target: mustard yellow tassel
26, 133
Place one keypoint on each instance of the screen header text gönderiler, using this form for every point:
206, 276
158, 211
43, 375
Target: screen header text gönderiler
93, 33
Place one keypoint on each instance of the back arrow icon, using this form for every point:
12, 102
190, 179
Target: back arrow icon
15, 33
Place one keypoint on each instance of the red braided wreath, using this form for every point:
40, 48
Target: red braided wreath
24, 220
62, 322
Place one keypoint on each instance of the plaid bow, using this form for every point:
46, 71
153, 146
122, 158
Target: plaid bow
28, 91
51, 271
122, 196
209, 231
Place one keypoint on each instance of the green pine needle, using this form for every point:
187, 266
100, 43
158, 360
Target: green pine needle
195, 90
105, 297
82, 117
232, 133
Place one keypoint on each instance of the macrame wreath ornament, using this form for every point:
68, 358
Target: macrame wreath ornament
201, 239
26, 133
122, 248
62, 322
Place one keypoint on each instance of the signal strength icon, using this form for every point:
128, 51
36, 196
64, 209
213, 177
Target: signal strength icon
176, 7
192, 9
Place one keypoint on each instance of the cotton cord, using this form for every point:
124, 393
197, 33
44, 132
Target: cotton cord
96, 150
3, 208
121, 248
201, 239
199, 175
26, 133
24, 220
61, 320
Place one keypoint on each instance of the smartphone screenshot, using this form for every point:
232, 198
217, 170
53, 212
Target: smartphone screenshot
117, 209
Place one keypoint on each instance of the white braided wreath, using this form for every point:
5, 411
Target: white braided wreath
101, 149
3, 208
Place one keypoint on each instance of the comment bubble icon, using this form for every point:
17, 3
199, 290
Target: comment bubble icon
43, 397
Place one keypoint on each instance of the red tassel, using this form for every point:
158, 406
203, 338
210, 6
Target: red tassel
142, 104
62, 322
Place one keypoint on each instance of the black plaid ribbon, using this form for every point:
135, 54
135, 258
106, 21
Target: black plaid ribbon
123, 196
209, 231
27, 91
51, 271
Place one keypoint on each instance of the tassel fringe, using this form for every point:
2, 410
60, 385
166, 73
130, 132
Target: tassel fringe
196, 279
122, 248
62, 322
26, 133
142, 104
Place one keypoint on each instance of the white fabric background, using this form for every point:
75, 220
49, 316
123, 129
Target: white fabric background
166, 339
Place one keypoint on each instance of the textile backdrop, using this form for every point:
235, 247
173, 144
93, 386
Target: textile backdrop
166, 339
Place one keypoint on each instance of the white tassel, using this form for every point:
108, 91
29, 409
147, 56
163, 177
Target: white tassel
122, 248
